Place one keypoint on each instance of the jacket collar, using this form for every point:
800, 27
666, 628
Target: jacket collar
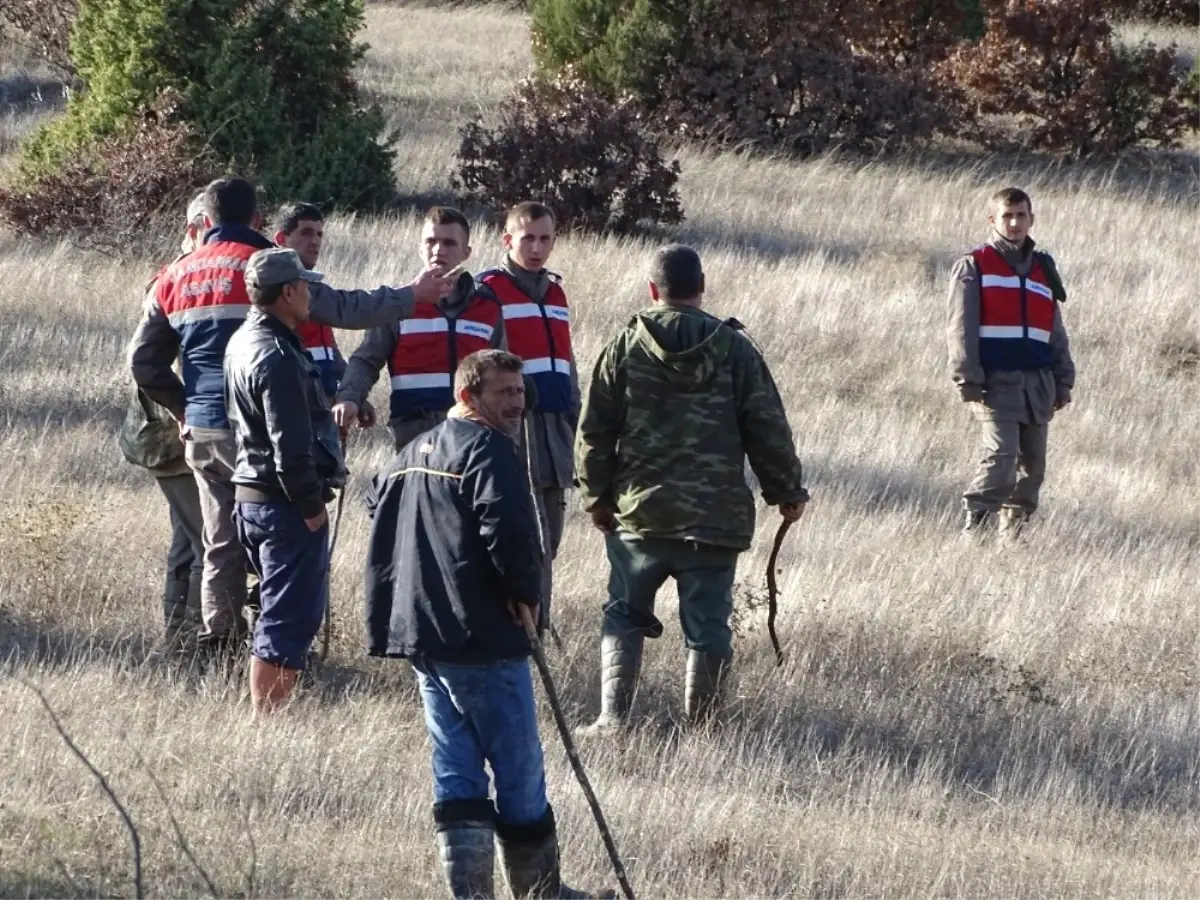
263, 319
532, 284
237, 234
460, 296
1013, 254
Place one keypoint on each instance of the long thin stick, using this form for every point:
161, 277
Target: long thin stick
133, 832
573, 754
773, 589
542, 524
333, 536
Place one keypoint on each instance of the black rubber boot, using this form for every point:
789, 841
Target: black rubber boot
529, 858
1013, 521
975, 520
706, 674
620, 663
468, 854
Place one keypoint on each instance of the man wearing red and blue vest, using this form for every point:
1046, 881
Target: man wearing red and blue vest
191, 313
422, 352
301, 227
1011, 361
537, 323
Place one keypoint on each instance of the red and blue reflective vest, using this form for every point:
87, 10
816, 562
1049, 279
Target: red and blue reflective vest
1016, 314
203, 295
321, 345
429, 345
539, 333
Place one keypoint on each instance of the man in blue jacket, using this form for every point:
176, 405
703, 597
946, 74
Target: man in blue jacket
453, 554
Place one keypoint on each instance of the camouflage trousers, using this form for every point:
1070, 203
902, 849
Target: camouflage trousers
703, 575
1012, 469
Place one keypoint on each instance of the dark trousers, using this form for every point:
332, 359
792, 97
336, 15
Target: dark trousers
185, 558
292, 564
703, 576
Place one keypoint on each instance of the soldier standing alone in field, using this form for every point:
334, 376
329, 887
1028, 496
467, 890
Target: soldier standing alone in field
1010, 359
677, 402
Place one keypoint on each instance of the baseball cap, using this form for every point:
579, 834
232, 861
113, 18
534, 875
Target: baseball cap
278, 265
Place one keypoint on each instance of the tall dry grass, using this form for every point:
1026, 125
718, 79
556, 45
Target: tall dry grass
953, 719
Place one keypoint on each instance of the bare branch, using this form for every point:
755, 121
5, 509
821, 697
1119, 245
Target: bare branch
133, 832
252, 871
179, 836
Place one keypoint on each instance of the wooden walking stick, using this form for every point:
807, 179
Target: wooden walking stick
572, 753
333, 536
773, 589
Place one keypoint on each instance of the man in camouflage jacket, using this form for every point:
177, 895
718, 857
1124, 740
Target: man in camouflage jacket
677, 402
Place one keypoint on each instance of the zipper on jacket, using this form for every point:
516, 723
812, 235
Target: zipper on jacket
553, 371
1024, 310
452, 350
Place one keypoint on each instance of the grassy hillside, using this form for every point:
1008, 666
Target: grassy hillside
953, 719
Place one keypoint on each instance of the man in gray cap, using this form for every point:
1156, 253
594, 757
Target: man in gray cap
289, 459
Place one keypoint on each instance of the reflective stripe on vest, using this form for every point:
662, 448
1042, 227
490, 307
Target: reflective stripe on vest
203, 296
321, 345
1016, 314
539, 333
427, 352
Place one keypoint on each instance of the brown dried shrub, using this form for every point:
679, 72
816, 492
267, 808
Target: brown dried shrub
44, 25
112, 198
1052, 77
1171, 12
800, 77
771, 78
561, 143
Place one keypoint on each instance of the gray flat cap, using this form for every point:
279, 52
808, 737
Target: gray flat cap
277, 265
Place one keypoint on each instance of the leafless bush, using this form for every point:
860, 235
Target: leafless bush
107, 200
563, 144
1055, 68
45, 25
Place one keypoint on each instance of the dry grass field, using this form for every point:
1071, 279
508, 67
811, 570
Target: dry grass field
990, 719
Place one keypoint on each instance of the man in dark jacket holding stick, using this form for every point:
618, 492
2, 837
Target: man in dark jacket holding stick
453, 554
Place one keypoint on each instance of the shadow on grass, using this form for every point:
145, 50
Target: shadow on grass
24, 92
19, 885
981, 725
28, 641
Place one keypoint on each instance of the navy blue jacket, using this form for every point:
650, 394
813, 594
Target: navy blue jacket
453, 539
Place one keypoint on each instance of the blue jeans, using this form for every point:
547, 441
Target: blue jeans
485, 713
292, 564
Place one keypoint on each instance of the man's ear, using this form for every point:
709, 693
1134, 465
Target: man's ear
992, 219
701, 291
466, 252
653, 291
464, 395
506, 239
279, 238
1031, 221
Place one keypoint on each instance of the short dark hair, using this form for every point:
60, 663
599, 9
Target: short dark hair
448, 215
290, 216
529, 211
1011, 196
230, 200
265, 296
677, 272
474, 368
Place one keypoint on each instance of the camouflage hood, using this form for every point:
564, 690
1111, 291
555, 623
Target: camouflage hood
691, 345
678, 401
